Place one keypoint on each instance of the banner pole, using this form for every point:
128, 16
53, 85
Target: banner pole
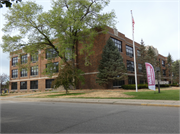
134, 52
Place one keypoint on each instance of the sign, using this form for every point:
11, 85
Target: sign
150, 76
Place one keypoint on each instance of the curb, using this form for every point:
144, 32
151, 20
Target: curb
163, 105
95, 102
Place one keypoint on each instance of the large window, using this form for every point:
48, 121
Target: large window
34, 57
118, 83
118, 44
52, 67
130, 65
34, 84
138, 53
14, 86
131, 80
164, 72
24, 59
139, 67
24, 72
49, 82
14, 73
163, 63
34, 70
51, 53
23, 85
129, 51
14, 61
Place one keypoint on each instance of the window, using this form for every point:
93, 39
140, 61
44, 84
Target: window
140, 67
24, 59
24, 72
34, 84
49, 82
14, 61
52, 67
129, 51
14, 86
23, 85
34, 70
14, 73
118, 83
34, 57
164, 72
138, 53
51, 53
130, 65
118, 44
131, 80
163, 63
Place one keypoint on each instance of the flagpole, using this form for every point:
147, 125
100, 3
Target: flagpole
134, 52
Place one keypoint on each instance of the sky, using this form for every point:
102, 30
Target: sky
156, 22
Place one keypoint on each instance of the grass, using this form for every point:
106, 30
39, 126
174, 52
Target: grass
154, 95
56, 95
3, 94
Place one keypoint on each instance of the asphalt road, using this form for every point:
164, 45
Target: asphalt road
55, 117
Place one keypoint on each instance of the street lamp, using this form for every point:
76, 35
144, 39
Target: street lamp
158, 70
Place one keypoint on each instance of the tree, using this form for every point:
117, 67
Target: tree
4, 78
111, 65
67, 24
7, 3
169, 65
142, 60
151, 58
67, 77
175, 71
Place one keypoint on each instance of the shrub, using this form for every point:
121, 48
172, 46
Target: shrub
133, 86
174, 85
163, 85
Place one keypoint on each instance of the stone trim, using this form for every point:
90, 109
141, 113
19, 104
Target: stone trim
32, 79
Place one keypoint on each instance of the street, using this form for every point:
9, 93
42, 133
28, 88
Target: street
58, 117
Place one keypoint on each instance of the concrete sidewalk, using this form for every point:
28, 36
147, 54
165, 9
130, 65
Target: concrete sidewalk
166, 103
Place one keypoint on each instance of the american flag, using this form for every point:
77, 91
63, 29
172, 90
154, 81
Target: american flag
132, 21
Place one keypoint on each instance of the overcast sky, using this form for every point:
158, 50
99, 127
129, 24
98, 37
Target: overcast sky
156, 22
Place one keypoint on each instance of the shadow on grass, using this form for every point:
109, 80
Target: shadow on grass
64, 94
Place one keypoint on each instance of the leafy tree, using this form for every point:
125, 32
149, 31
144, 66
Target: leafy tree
169, 65
67, 24
111, 65
142, 60
7, 3
175, 71
4, 82
68, 78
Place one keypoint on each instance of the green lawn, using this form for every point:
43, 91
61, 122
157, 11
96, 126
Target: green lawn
154, 95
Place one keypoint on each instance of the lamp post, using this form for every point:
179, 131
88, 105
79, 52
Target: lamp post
157, 70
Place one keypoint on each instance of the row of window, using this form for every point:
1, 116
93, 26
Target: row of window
131, 80
34, 58
51, 67
50, 53
33, 84
129, 50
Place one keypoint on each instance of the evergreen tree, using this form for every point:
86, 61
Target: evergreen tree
169, 65
152, 59
111, 65
142, 59
175, 71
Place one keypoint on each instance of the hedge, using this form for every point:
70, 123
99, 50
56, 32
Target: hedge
141, 86
133, 86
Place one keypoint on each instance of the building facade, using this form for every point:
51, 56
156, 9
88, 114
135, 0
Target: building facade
35, 80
